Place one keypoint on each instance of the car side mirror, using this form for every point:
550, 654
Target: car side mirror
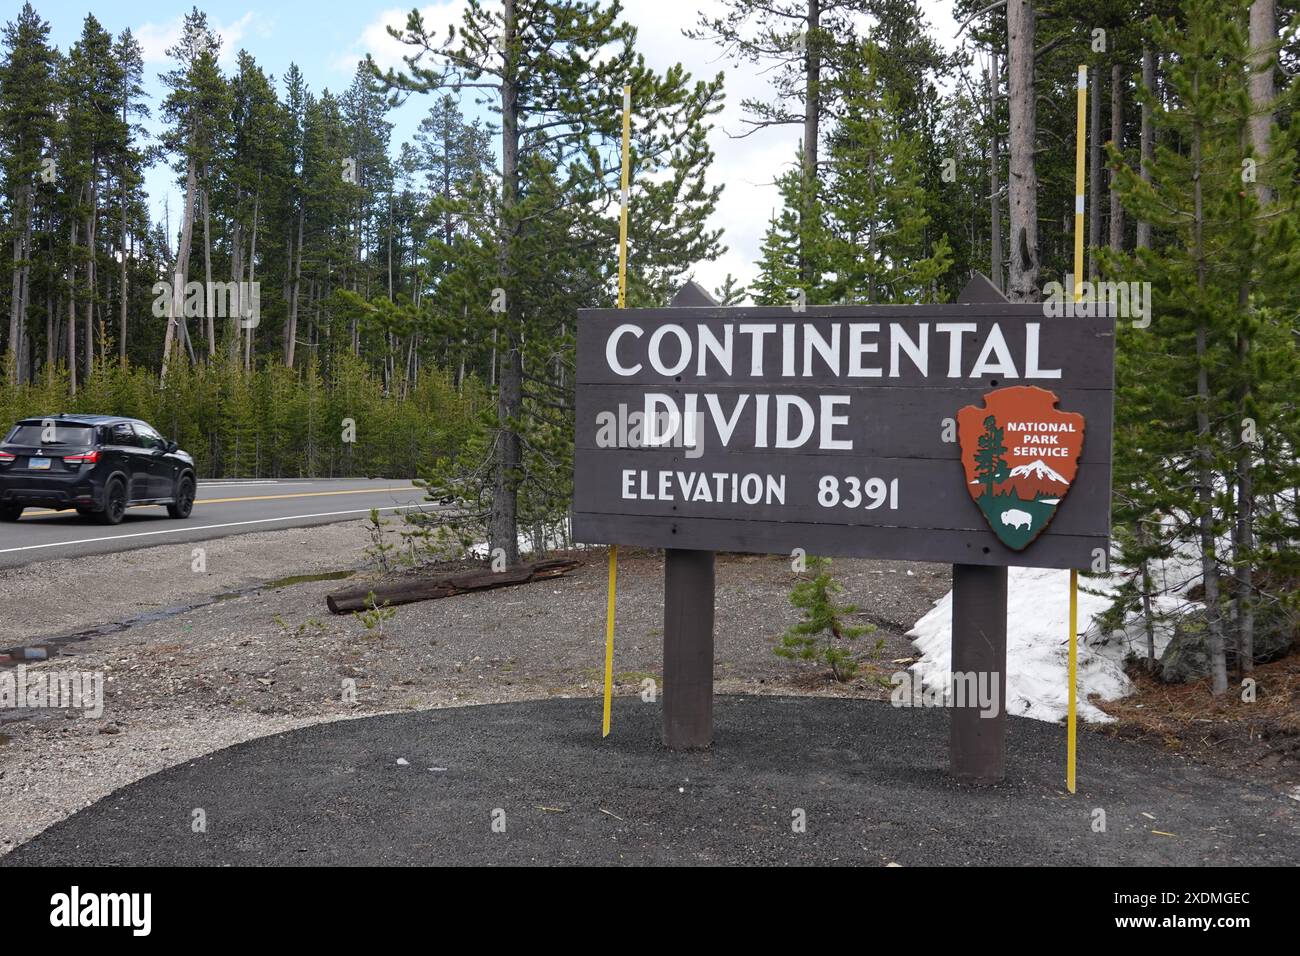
172, 446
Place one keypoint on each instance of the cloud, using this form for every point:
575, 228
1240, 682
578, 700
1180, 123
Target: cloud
747, 167
388, 52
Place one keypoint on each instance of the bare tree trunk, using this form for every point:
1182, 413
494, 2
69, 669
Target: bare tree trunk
21, 278
1263, 47
15, 302
1204, 437
208, 305
1148, 617
121, 344
1022, 182
91, 221
504, 531
72, 303
811, 131
252, 274
291, 327
1243, 529
25, 354
1117, 139
995, 183
51, 357
1263, 41
180, 270
1148, 147
232, 342
1094, 175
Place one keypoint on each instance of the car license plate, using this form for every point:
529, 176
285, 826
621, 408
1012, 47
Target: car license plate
38, 464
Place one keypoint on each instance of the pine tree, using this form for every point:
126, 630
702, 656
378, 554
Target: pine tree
93, 80
802, 45
550, 68
822, 633
788, 245
197, 109
881, 251
27, 117
126, 164
730, 292
1225, 275
990, 463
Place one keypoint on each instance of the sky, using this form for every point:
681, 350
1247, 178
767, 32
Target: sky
326, 38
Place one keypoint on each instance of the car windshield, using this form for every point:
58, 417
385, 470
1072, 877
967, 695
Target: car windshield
55, 433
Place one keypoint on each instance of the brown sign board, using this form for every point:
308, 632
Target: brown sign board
835, 429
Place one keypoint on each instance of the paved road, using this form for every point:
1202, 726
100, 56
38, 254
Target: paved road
222, 508
872, 780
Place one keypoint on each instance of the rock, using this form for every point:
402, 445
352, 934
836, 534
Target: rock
1187, 657
1275, 632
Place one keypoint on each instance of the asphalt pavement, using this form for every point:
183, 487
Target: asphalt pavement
221, 508
787, 781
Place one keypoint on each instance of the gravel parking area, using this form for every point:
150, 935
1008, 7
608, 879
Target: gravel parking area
788, 781
219, 658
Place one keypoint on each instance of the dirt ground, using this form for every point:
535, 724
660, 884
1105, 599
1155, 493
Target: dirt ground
1255, 736
215, 658
198, 660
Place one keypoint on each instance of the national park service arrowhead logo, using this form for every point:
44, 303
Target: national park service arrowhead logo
1020, 453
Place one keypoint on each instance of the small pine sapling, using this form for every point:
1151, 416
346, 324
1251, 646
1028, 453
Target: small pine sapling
822, 633
380, 549
374, 615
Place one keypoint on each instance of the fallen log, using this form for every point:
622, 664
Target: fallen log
430, 589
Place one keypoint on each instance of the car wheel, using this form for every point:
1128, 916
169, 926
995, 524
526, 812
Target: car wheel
184, 502
114, 503
10, 512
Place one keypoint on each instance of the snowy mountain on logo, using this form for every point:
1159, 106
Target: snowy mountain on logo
1034, 480
1037, 470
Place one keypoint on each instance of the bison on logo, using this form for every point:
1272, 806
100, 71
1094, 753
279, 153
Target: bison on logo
1020, 453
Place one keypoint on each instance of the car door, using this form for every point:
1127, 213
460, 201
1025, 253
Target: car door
137, 458
162, 467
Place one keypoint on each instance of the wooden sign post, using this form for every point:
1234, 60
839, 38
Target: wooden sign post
977, 742
688, 623
950, 433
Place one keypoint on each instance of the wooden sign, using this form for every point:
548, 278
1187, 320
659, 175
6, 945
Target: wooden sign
847, 430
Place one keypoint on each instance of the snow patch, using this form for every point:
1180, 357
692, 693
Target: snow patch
1038, 606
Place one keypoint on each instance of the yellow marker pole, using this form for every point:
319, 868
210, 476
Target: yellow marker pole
1072, 718
1080, 136
622, 217
609, 637
622, 303
1071, 751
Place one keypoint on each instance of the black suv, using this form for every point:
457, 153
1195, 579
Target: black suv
97, 464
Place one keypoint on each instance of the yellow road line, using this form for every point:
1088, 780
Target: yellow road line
298, 494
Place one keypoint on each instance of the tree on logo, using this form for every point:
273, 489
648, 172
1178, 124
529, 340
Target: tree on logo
990, 466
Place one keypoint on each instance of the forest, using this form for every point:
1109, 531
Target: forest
425, 291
